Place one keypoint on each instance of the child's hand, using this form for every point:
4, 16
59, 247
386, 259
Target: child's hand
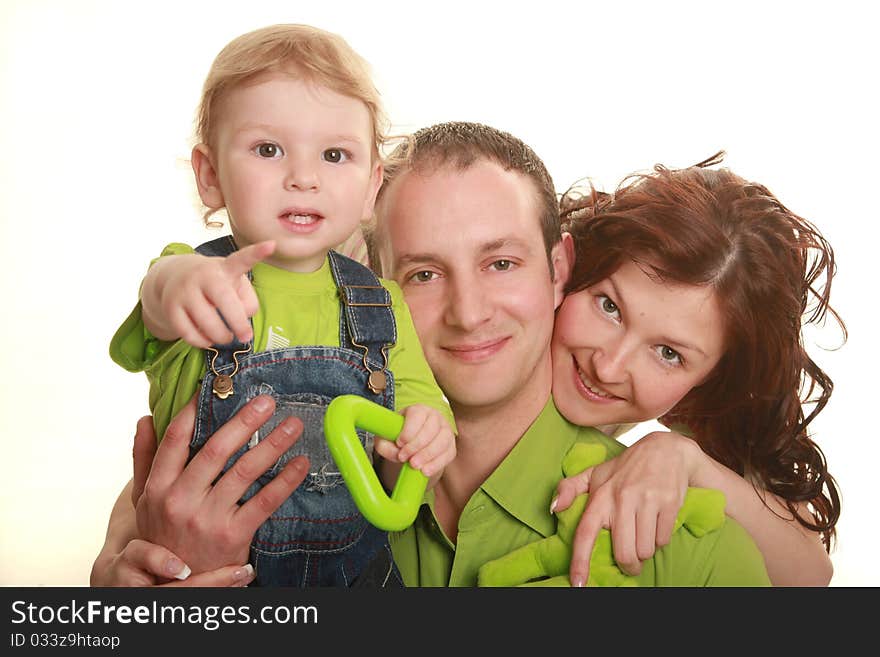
183, 294
426, 441
635, 495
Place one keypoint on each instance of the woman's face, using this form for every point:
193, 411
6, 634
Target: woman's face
630, 348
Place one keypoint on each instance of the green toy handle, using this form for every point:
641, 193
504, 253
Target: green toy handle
344, 414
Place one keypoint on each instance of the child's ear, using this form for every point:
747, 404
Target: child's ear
562, 257
373, 191
206, 177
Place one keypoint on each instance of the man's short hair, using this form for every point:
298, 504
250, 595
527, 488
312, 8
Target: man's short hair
460, 144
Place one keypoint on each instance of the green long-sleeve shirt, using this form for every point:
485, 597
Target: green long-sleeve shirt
511, 509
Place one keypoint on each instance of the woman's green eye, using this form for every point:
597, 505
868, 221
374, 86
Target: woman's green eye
669, 354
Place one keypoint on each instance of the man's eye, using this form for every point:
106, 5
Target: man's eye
269, 150
502, 265
423, 276
334, 155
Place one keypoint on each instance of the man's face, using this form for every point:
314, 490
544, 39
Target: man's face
467, 250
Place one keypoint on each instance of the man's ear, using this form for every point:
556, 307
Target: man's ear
206, 177
373, 191
562, 257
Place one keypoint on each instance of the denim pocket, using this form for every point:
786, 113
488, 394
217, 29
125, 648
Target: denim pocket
310, 408
320, 517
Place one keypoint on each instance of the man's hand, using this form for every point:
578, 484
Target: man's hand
199, 521
183, 296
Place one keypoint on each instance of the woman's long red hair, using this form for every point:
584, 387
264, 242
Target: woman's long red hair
771, 271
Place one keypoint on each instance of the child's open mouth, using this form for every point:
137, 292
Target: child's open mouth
300, 220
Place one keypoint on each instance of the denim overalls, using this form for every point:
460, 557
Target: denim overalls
317, 537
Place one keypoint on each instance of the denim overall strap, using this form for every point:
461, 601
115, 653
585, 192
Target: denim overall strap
366, 307
225, 354
317, 537
222, 246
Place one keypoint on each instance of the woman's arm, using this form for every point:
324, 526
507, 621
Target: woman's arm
793, 554
638, 494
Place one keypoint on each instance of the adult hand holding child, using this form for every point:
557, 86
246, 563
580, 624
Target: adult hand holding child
187, 524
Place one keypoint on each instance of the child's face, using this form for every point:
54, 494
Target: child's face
629, 348
293, 162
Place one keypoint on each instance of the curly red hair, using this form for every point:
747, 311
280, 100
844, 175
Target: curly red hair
771, 271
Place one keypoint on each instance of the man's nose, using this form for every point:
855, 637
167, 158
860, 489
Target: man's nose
467, 306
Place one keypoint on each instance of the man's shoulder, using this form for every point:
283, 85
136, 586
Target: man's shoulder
727, 556
551, 432
592, 436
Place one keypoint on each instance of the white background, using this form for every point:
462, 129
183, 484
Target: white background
96, 103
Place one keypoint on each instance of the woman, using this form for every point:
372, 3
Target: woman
686, 303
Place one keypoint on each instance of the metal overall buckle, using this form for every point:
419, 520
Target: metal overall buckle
377, 381
222, 386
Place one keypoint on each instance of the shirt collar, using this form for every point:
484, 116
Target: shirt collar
525, 482
300, 283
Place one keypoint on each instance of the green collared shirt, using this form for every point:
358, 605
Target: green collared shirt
511, 509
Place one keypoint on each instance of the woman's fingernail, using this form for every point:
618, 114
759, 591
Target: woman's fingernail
261, 404
553, 504
176, 568
245, 575
578, 582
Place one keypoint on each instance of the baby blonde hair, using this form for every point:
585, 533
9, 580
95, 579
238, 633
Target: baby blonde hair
308, 52
318, 56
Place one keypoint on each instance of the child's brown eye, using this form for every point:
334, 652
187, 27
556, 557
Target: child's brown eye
334, 155
609, 306
268, 150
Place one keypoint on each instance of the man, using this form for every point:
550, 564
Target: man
468, 226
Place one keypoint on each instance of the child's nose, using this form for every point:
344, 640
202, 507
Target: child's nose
302, 175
